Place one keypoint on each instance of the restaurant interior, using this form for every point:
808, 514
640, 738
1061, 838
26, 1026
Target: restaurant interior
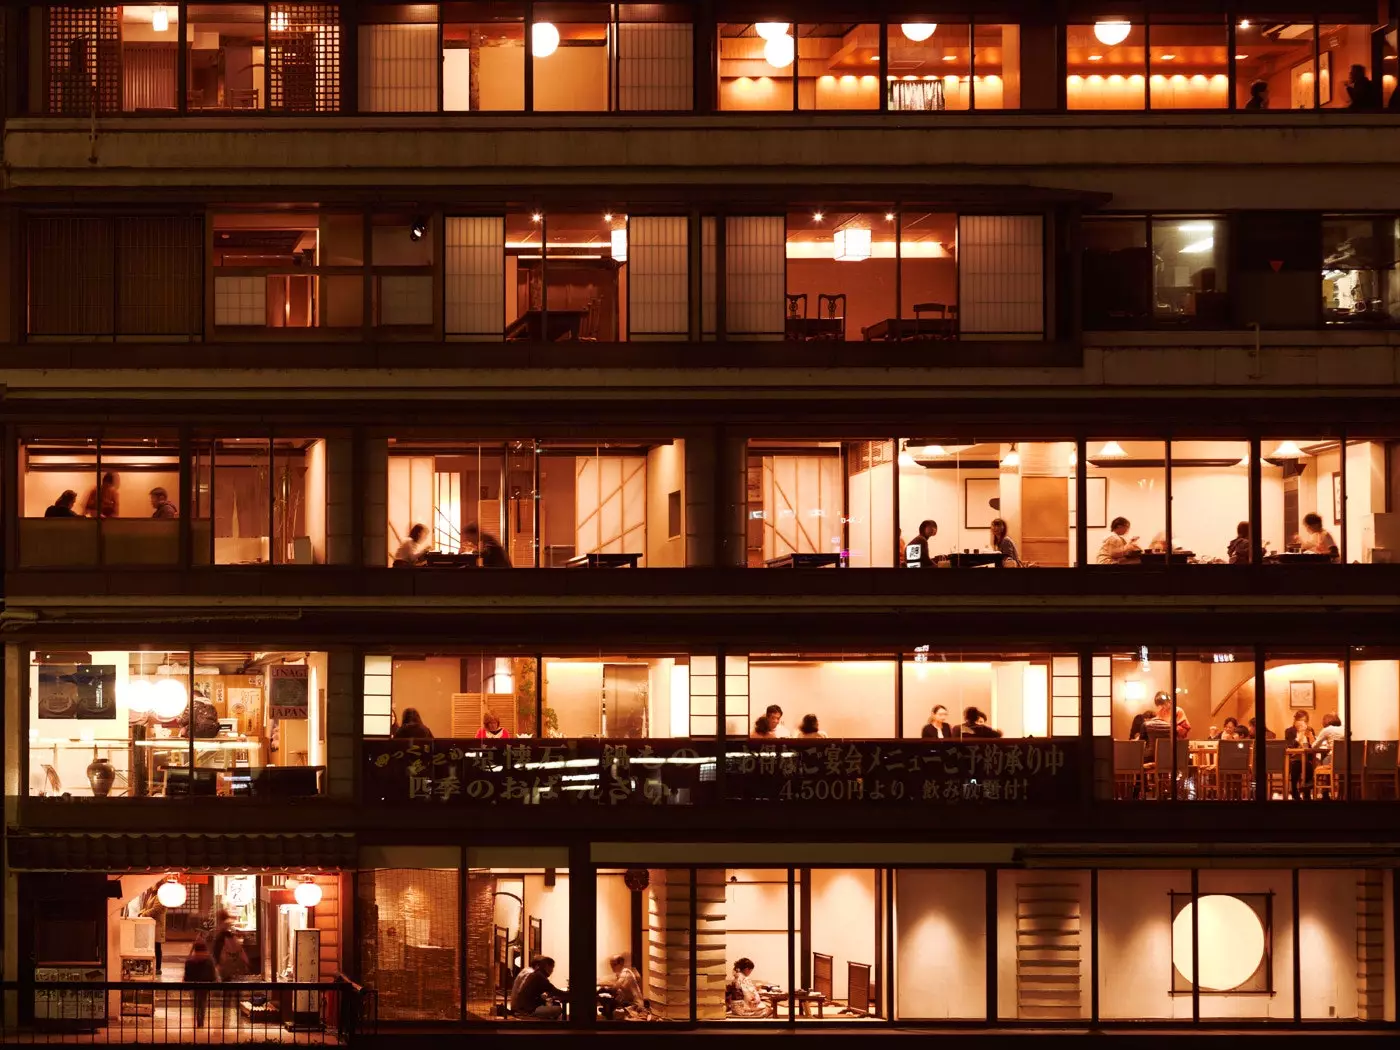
549, 504
160, 724
816, 942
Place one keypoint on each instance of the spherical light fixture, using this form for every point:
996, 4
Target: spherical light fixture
544, 39
918, 31
307, 893
779, 51
140, 697
1231, 946
172, 893
771, 30
168, 699
1112, 32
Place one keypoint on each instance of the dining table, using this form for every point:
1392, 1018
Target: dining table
801, 329
897, 328
804, 1000
1297, 558
540, 326
806, 560
603, 561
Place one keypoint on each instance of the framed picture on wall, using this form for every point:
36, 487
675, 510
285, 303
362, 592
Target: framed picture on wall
1097, 494
1336, 497
1302, 694
981, 502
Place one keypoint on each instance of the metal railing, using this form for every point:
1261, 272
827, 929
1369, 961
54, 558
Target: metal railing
241, 1013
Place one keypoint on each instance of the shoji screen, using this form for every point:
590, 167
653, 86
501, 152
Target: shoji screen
475, 277
755, 276
610, 504
399, 69
1001, 275
803, 501
658, 280
654, 66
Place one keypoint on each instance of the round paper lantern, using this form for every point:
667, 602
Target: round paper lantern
771, 30
779, 51
140, 697
918, 31
307, 893
1112, 32
169, 699
171, 894
544, 39
1232, 942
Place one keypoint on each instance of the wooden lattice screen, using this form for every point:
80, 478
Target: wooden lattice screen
84, 60
303, 58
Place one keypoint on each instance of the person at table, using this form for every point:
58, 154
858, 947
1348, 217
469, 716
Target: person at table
105, 501
810, 729
1300, 735
1258, 95
1159, 725
1001, 543
1329, 737
1362, 91
775, 721
1314, 539
1269, 734
1241, 549
536, 996
742, 996
1183, 725
1229, 729
624, 984
1135, 730
489, 550
413, 550
917, 553
412, 727
937, 727
491, 728
1159, 543
762, 728
63, 506
161, 507
1117, 546
975, 724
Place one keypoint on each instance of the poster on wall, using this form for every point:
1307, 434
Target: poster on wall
287, 688
78, 691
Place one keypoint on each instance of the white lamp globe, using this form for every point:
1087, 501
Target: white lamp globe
1112, 32
918, 31
544, 39
140, 696
160, 19
779, 51
168, 699
171, 894
307, 893
771, 30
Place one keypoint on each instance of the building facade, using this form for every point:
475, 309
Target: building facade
336, 337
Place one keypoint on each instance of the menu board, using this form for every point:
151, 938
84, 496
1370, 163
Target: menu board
288, 690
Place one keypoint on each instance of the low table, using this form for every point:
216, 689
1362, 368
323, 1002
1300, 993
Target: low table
439, 560
971, 561
813, 560
603, 561
804, 1001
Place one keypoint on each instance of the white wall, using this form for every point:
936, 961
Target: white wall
1327, 924
939, 494
954, 685
665, 474
316, 499
870, 510
1066, 883
427, 685
844, 921
852, 698
1278, 1006
550, 904
1135, 945
574, 690
940, 944
614, 922
756, 911
1375, 700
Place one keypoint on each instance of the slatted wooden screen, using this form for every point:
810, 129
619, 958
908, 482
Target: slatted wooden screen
160, 275
475, 277
658, 277
654, 66
1001, 274
399, 68
469, 708
83, 50
303, 58
71, 276
755, 264
148, 76
410, 930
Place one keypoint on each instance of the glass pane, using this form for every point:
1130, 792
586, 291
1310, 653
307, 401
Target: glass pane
964, 694
398, 59
654, 983
756, 71
1360, 274
410, 949
997, 66
150, 50
757, 943
1346, 79
1367, 769
1189, 276
1106, 63
1126, 516
582, 275
227, 57
572, 60
617, 697
835, 66
1275, 64
1302, 505
1331, 904
840, 273
1245, 945
796, 503
60, 502
483, 57
1135, 939
518, 943
1303, 687
940, 945
839, 697
1210, 502
1117, 273
1188, 67
928, 249
930, 66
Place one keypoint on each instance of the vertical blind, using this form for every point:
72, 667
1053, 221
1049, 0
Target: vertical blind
474, 277
1001, 273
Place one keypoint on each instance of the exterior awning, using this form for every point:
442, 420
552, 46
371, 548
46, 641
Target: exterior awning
126, 852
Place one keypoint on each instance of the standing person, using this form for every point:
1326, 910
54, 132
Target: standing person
488, 548
1116, 545
491, 728
916, 552
154, 909
63, 506
937, 727
774, 715
412, 727
229, 956
810, 728
1362, 90
199, 967
161, 507
1258, 95
1241, 549
1314, 539
1001, 543
412, 550
104, 501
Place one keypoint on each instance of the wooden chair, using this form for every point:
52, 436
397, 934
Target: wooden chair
1170, 759
950, 330
1276, 766
1380, 768
932, 327
1324, 777
859, 1000
823, 970
826, 307
1351, 764
1234, 769
1129, 778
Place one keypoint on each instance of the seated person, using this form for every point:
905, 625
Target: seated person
917, 554
975, 724
1116, 545
1330, 736
488, 548
1314, 539
63, 506
1229, 730
624, 985
413, 551
762, 728
741, 994
937, 727
1240, 550
534, 996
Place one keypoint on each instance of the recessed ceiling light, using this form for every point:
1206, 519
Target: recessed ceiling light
1168, 58
607, 216
874, 58
1244, 23
1238, 57
817, 216
1095, 58
536, 217
950, 58
889, 216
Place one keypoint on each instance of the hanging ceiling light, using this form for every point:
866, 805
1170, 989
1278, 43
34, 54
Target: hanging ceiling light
779, 51
771, 30
1113, 31
906, 459
172, 892
918, 31
851, 244
160, 19
1287, 450
544, 39
307, 893
619, 245
1012, 459
168, 699
140, 696
935, 452
1111, 450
